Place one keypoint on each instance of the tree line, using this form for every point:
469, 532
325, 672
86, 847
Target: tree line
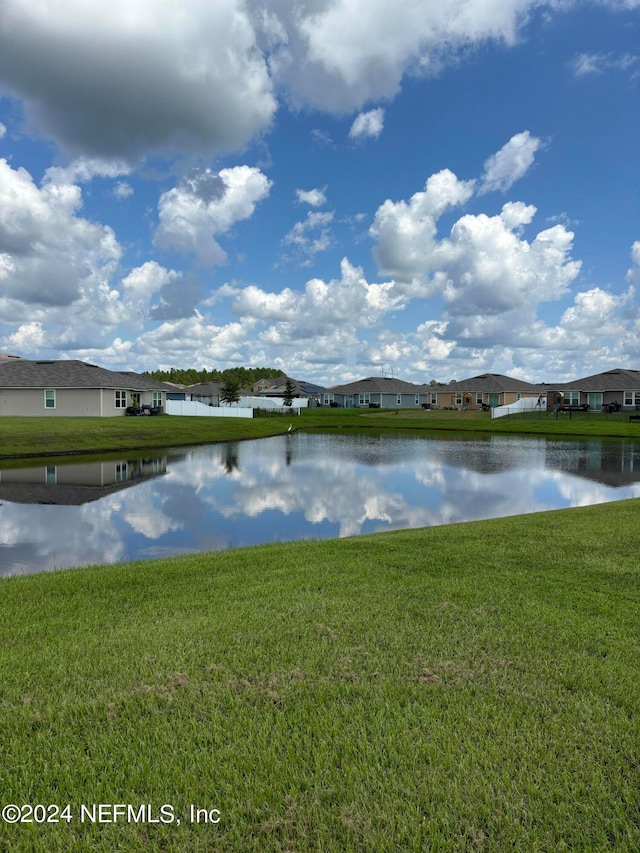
242, 377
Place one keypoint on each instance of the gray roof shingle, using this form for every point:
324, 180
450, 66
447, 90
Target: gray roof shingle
23, 373
378, 385
278, 387
490, 383
617, 379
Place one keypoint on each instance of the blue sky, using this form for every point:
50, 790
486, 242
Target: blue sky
338, 188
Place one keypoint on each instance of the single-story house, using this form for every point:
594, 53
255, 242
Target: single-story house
175, 391
278, 388
204, 392
481, 392
376, 391
74, 389
209, 393
617, 389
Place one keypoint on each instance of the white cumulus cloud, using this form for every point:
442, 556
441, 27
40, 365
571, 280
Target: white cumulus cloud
49, 256
143, 283
369, 124
122, 190
311, 235
406, 232
510, 163
206, 204
315, 197
349, 302
120, 78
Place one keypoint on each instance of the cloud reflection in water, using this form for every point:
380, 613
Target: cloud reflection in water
305, 486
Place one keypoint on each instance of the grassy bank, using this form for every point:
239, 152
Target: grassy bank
42, 436
579, 424
463, 688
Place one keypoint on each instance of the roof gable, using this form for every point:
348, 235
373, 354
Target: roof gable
616, 379
490, 383
378, 385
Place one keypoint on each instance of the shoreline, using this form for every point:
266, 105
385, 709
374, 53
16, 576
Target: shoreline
28, 438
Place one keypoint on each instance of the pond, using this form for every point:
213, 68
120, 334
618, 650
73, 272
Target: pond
69, 512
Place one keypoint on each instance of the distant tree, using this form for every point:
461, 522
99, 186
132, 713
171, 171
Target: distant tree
244, 376
230, 392
289, 392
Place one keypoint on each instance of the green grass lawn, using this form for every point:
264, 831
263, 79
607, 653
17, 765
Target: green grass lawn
465, 688
41, 436
579, 424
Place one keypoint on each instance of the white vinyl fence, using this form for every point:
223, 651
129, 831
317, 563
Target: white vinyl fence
273, 403
191, 407
524, 404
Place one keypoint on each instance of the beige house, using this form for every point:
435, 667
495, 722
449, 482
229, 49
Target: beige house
481, 392
74, 389
277, 387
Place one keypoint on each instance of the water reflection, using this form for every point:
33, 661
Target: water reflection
292, 487
76, 482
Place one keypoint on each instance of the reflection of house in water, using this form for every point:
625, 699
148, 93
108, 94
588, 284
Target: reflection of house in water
73, 484
611, 463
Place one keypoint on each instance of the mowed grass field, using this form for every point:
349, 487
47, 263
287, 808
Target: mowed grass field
49, 436
466, 688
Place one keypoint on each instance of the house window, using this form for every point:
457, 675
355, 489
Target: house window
50, 398
632, 398
364, 399
398, 399
121, 399
458, 399
51, 475
572, 398
121, 470
417, 399
157, 398
478, 399
328, 399
434, 399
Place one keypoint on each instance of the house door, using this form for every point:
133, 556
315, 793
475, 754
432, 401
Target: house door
494, 400
595, 402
